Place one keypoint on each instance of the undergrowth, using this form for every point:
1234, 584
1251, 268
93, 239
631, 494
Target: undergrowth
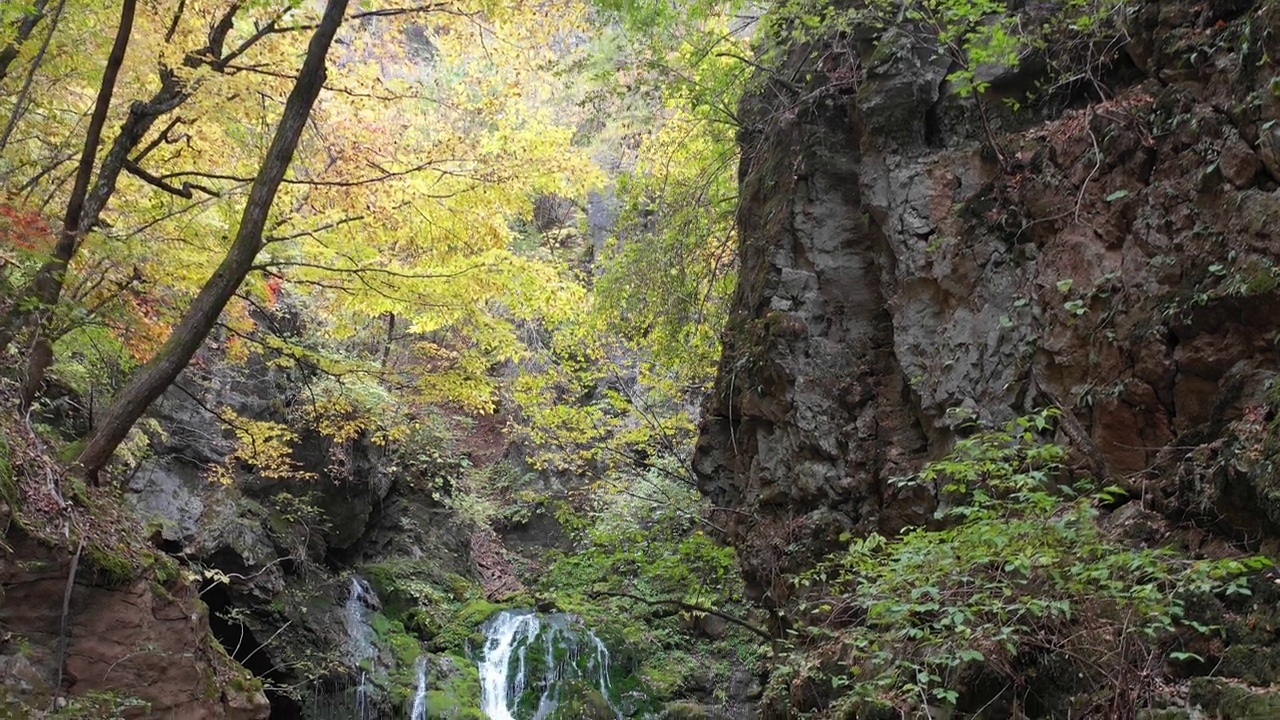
1017, 570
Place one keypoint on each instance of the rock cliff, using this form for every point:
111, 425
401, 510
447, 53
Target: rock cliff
127, 639
912, 260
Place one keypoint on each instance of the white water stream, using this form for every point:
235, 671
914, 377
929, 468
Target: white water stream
419, 711
360, 602
505, 670
504, 631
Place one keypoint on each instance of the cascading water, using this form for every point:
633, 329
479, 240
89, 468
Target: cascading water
419, 711
518, 684
360, 602
504, 631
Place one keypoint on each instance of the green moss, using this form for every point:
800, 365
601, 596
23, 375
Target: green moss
583, 702
458, 693
461, 587
8, 485
441, 704
417, 586
246, 684
69, 452
667, 673
164, 568
1227, 699
477, 611
405, 649
458, 629
684, 711
113, 567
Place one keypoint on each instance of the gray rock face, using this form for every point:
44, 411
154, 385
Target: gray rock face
276, 553
172, 493
904, 270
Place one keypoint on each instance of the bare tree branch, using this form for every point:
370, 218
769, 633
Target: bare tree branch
186, 191
690, 607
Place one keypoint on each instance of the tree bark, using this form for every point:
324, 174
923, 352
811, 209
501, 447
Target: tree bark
152, 379
20, 103
48, 281
142, 116
27, 26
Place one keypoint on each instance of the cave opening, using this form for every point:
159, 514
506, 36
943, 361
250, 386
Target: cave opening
242, 646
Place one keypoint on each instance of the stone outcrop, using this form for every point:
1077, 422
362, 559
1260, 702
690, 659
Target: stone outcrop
270, 560
911, 261
286, 547
133, 638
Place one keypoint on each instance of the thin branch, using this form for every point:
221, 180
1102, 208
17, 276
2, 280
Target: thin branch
187, 191
21, 101
201, 404
249, 42
385, 12
687, 606
173, 23
368, 270
268, 640
386, 175
64, 634
310, 232
162, 137
175, 213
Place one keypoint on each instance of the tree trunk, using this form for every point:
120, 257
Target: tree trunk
48, 281
142, 116
20, 102
25, 27
152, 379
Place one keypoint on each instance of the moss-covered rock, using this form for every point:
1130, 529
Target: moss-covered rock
111, 567
1231, 700
684, 711
583, 702
455, 690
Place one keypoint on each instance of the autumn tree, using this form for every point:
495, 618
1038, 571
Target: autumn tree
18, 22
393, 225
154, 377
47, 286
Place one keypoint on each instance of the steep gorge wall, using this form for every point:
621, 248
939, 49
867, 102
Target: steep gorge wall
905, 270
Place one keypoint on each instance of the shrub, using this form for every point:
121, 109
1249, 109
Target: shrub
1018, 570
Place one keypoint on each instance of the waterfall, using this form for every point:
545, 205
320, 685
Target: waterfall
360, 602
419, 711
564, 658
505, 630
602, 663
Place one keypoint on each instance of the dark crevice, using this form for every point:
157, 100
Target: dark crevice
243, 647
933, 126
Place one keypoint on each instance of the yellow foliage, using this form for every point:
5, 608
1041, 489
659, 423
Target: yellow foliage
265, 446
